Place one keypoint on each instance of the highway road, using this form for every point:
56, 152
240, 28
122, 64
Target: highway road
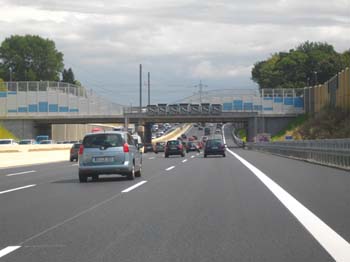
248, 206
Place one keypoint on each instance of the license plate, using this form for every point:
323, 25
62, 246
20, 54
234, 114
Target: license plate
103, 159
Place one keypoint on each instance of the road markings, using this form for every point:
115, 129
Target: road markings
185, 160
333, 243
134, 186
197, 154
192, 156
150, 158
75, 165
7, 250
21, 173
15, 189
169, 168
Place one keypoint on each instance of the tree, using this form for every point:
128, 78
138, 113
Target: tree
30, 58
68, 76
308, 63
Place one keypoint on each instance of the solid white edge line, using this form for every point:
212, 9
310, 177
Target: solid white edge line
7, 250
21, 173
15, 189
185, 160
134, 186
169, 168
333, 243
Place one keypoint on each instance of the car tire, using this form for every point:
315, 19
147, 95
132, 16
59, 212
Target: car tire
82, 178
183, 155
138, 173
131, 175
71, 159
223, 155
205, 155
156, 152
166, 156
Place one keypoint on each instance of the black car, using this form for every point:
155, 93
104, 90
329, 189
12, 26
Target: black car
183, 136
159, 147
148, 147
174, 147
191, 146
214, 147
74, 152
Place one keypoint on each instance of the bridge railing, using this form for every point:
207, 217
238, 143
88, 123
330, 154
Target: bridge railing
330, 152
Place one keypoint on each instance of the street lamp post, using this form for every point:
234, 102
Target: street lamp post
10, 74
315, 73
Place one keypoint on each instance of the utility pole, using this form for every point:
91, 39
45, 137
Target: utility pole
200, 86
149, 88
140, 88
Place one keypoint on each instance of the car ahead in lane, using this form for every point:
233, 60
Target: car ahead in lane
47, 142
74, 151
159, 147
111, 152
191, 146
174, 147
214, 147
148, 147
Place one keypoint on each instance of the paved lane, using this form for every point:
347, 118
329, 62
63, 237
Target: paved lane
202, 209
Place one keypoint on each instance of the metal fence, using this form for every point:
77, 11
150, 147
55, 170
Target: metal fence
330, 152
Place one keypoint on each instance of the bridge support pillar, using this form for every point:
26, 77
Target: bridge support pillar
148, 133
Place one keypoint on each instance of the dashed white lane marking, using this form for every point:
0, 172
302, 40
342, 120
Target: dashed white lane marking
150, 158
21, 173
134, 186
169, 168
185, 160
15, 189
333, 243
75, 164
192, 156
7, 250
197, 154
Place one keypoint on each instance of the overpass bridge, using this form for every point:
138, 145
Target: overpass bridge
32, 107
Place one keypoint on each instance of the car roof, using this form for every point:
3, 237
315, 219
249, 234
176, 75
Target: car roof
107, 132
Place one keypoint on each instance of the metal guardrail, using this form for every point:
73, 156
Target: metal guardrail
330, 152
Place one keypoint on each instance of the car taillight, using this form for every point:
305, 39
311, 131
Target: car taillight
180, 147
81, 149
126, 148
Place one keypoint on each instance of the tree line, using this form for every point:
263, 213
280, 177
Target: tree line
310, 63
32, 58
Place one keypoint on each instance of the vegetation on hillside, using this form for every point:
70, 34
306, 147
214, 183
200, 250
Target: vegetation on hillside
32, 58
4, 133
309, 64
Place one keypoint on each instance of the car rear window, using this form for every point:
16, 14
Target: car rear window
5, 142
98, 140
214, 143
77, 145
173, 142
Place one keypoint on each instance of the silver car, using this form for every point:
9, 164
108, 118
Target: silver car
112, 152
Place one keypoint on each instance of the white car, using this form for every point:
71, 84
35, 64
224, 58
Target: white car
8, 142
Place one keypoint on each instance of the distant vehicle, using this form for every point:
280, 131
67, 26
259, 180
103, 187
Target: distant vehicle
200, 128
46, 142
183, 136
204, 139
190, 138
214, 147
191, 146
148, 147
218, 131
74, 152
159, 147
8, 142
200, 145
27, 142
174, 147
111, 152
207, 131
38, 139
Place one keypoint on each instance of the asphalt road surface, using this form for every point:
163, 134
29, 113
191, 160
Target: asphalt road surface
248, 206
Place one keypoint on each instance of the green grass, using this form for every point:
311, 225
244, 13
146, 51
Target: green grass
4, 133
242, 134
292, 125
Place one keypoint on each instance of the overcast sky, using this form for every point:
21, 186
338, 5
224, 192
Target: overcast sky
179, 41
